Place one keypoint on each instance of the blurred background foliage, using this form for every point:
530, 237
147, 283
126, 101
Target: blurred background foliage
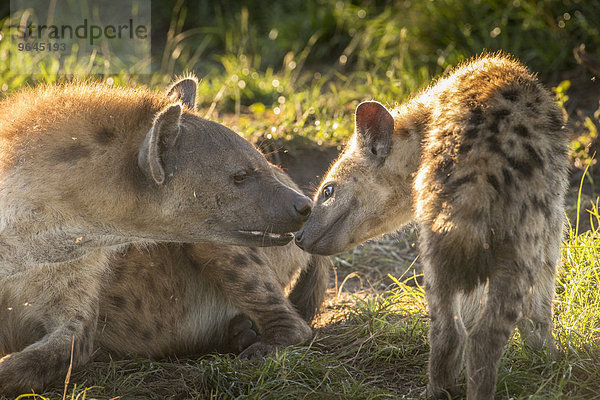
297, 68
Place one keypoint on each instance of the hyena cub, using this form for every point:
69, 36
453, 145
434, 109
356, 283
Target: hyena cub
479, 161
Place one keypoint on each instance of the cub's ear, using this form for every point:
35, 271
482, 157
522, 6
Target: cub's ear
159, 139
375, 126
184, 90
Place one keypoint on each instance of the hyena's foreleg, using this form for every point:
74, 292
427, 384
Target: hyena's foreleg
504, 306
447, 337
47, 360
62, 305
306, 297
253, 288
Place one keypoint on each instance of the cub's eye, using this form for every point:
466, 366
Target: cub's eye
240, 176
327, 191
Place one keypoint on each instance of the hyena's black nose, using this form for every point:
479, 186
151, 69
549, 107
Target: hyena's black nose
303, 206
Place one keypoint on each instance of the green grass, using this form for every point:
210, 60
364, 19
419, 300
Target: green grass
374, 346
267, 69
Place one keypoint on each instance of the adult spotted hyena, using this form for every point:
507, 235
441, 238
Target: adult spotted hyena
479, 161
175, 299
85, 169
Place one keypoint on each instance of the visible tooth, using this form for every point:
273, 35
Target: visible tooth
256, 233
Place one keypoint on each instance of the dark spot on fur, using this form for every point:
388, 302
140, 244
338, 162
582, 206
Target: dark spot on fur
495, 146
253, 250
476, 116
240, 260
510, 94
492, 180
501, 114
104, 136
522, 130
231, 275
471, 133
444, 169
542, 205
79, 318
506, 174
464, 180
117, 301
452, 186
547, 211
355, 179
498, 115
150, 283
71, 153
269, 287
146, 335
137, 304
118, 273
464, 148
520, 166
534, 156
251, 285
274, 299
495, 126
523, 212
256, 259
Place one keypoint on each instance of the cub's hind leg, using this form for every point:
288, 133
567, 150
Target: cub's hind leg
536, 326
447, 337
503, 307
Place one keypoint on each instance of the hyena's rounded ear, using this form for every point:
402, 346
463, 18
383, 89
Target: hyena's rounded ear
159, 139
375, 126
184, 90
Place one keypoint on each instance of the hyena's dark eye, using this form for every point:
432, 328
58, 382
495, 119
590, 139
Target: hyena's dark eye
240, 176
327, 191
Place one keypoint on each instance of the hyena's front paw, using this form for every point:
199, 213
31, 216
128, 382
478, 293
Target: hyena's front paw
257, 350
22, 373
278, 338
243, 333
